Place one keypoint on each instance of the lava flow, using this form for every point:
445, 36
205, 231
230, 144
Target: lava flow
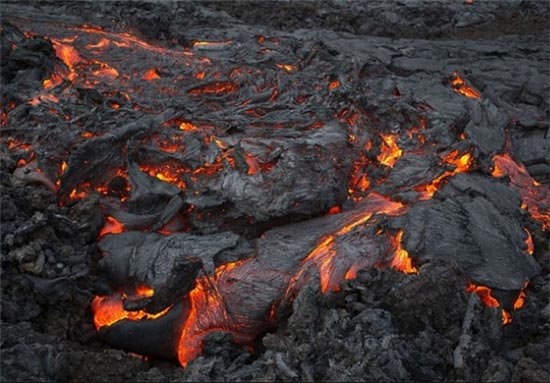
535, 197
244, 171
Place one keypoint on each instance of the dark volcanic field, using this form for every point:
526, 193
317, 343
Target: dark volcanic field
382, 326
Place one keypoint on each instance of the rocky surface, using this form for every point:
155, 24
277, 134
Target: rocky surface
393, 60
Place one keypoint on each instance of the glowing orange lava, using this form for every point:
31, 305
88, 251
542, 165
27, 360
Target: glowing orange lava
208, 313
323, 255
286, 67
68, 54
529, 243
333, 84
401, 260
389, 151
462, 164
460, 86
188, 126
535, 197
112, 226
485, 294
151, 74
108, 310
144, 291
166, 173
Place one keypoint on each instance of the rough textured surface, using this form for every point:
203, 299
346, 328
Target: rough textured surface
310, 94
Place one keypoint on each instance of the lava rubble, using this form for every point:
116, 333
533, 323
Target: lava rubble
273, 203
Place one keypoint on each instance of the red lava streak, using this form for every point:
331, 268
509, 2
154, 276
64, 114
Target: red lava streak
535, 197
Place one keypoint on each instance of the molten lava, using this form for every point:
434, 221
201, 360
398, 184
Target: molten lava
112, 226
108, 310
462, 164
535, 197
323, 255
401, 260
151, 74
389, 151
460, 86
485, 294
529, 243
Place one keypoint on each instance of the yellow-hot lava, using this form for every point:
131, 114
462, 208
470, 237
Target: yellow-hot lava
389, 151
109, 310
287, 67
460, 86
462, 164
401, 260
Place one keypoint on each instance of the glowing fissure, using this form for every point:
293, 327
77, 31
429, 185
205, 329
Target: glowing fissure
535, 197
485, 294
460, 86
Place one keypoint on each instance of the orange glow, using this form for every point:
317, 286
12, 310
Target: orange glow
535, 197
254, 166
166, 173
334, 210
487, 298
484, 294
207, 314
506, 317
529, 243
144, 291
64, 167
217, 87
151, 74
104, 70
359, 181
15, 144
108, 310
351, 273
112, 226
334, 84
462, 164
389, 151
52, 82
68, 54
200, 75
323, 254
401, 260
460, 86
44, 97
286, 67
77, 194
188, 126
211, 44
103, 43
